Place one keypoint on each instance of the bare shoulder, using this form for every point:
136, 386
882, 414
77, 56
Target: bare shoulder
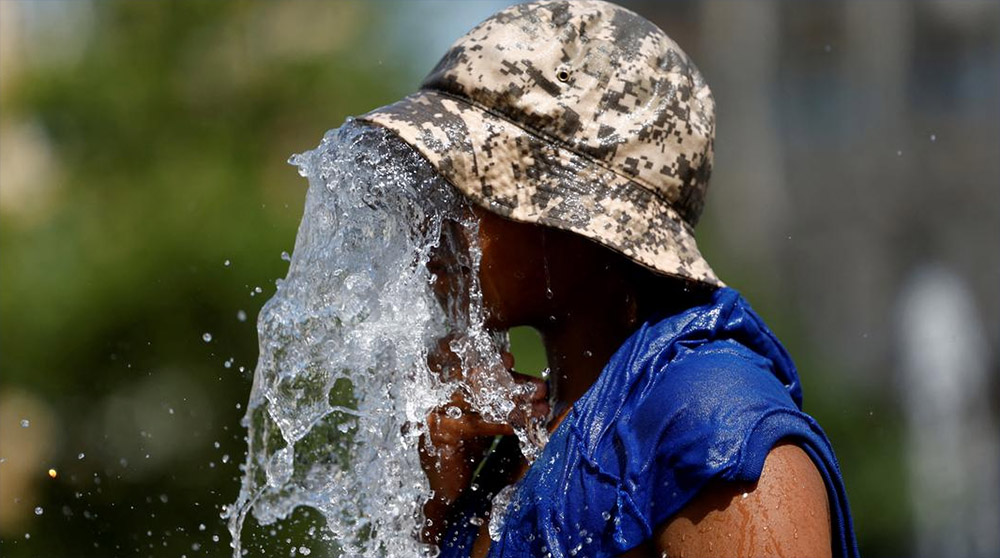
786, 513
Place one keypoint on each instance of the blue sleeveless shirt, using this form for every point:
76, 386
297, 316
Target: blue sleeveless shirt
697, 396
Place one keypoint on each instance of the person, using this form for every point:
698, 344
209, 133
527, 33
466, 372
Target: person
583, 136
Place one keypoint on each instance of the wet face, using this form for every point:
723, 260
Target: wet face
514, 270
451, 266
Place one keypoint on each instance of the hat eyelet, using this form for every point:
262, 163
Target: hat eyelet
562, 75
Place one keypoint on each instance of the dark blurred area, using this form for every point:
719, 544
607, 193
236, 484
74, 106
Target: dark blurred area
145, 202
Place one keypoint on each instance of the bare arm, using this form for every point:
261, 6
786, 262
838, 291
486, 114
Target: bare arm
786, 513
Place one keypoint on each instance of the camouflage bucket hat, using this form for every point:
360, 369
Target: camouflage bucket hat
579, 115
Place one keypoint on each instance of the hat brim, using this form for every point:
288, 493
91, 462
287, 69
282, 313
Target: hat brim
524, 176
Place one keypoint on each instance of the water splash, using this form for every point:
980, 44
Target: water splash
342, 384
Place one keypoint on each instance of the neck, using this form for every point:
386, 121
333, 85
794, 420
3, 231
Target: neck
580, 343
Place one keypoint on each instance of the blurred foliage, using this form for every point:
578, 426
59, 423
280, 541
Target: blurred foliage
170, 132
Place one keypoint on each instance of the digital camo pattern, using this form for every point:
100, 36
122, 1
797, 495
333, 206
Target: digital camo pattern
575, 114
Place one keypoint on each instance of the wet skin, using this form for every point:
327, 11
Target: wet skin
585, 301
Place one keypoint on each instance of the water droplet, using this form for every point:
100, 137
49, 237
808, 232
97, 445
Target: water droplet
606, 515
201, 526
25, 423
241, 315
206, 337
258, 290
39, 510
285, 256
53, 473
588, 353
226, 263
81, 455
228, 363
933, 137
303, 550
453, 412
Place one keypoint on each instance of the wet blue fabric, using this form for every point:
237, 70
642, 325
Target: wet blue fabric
693, 397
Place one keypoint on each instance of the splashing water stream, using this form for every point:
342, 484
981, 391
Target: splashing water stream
342, 384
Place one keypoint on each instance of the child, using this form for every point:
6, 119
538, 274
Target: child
583, 135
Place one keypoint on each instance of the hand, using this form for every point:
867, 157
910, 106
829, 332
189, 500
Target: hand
458, 438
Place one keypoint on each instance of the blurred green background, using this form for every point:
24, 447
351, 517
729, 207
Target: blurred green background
145, 202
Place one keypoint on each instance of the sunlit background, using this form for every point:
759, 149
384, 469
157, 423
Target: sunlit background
145, 202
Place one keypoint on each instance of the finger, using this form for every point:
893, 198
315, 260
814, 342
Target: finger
458, 420
458, 400
508, 360
443, 360
540, 408
470, 425
541, 387
522, 378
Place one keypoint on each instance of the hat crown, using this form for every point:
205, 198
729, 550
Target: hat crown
598, 79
